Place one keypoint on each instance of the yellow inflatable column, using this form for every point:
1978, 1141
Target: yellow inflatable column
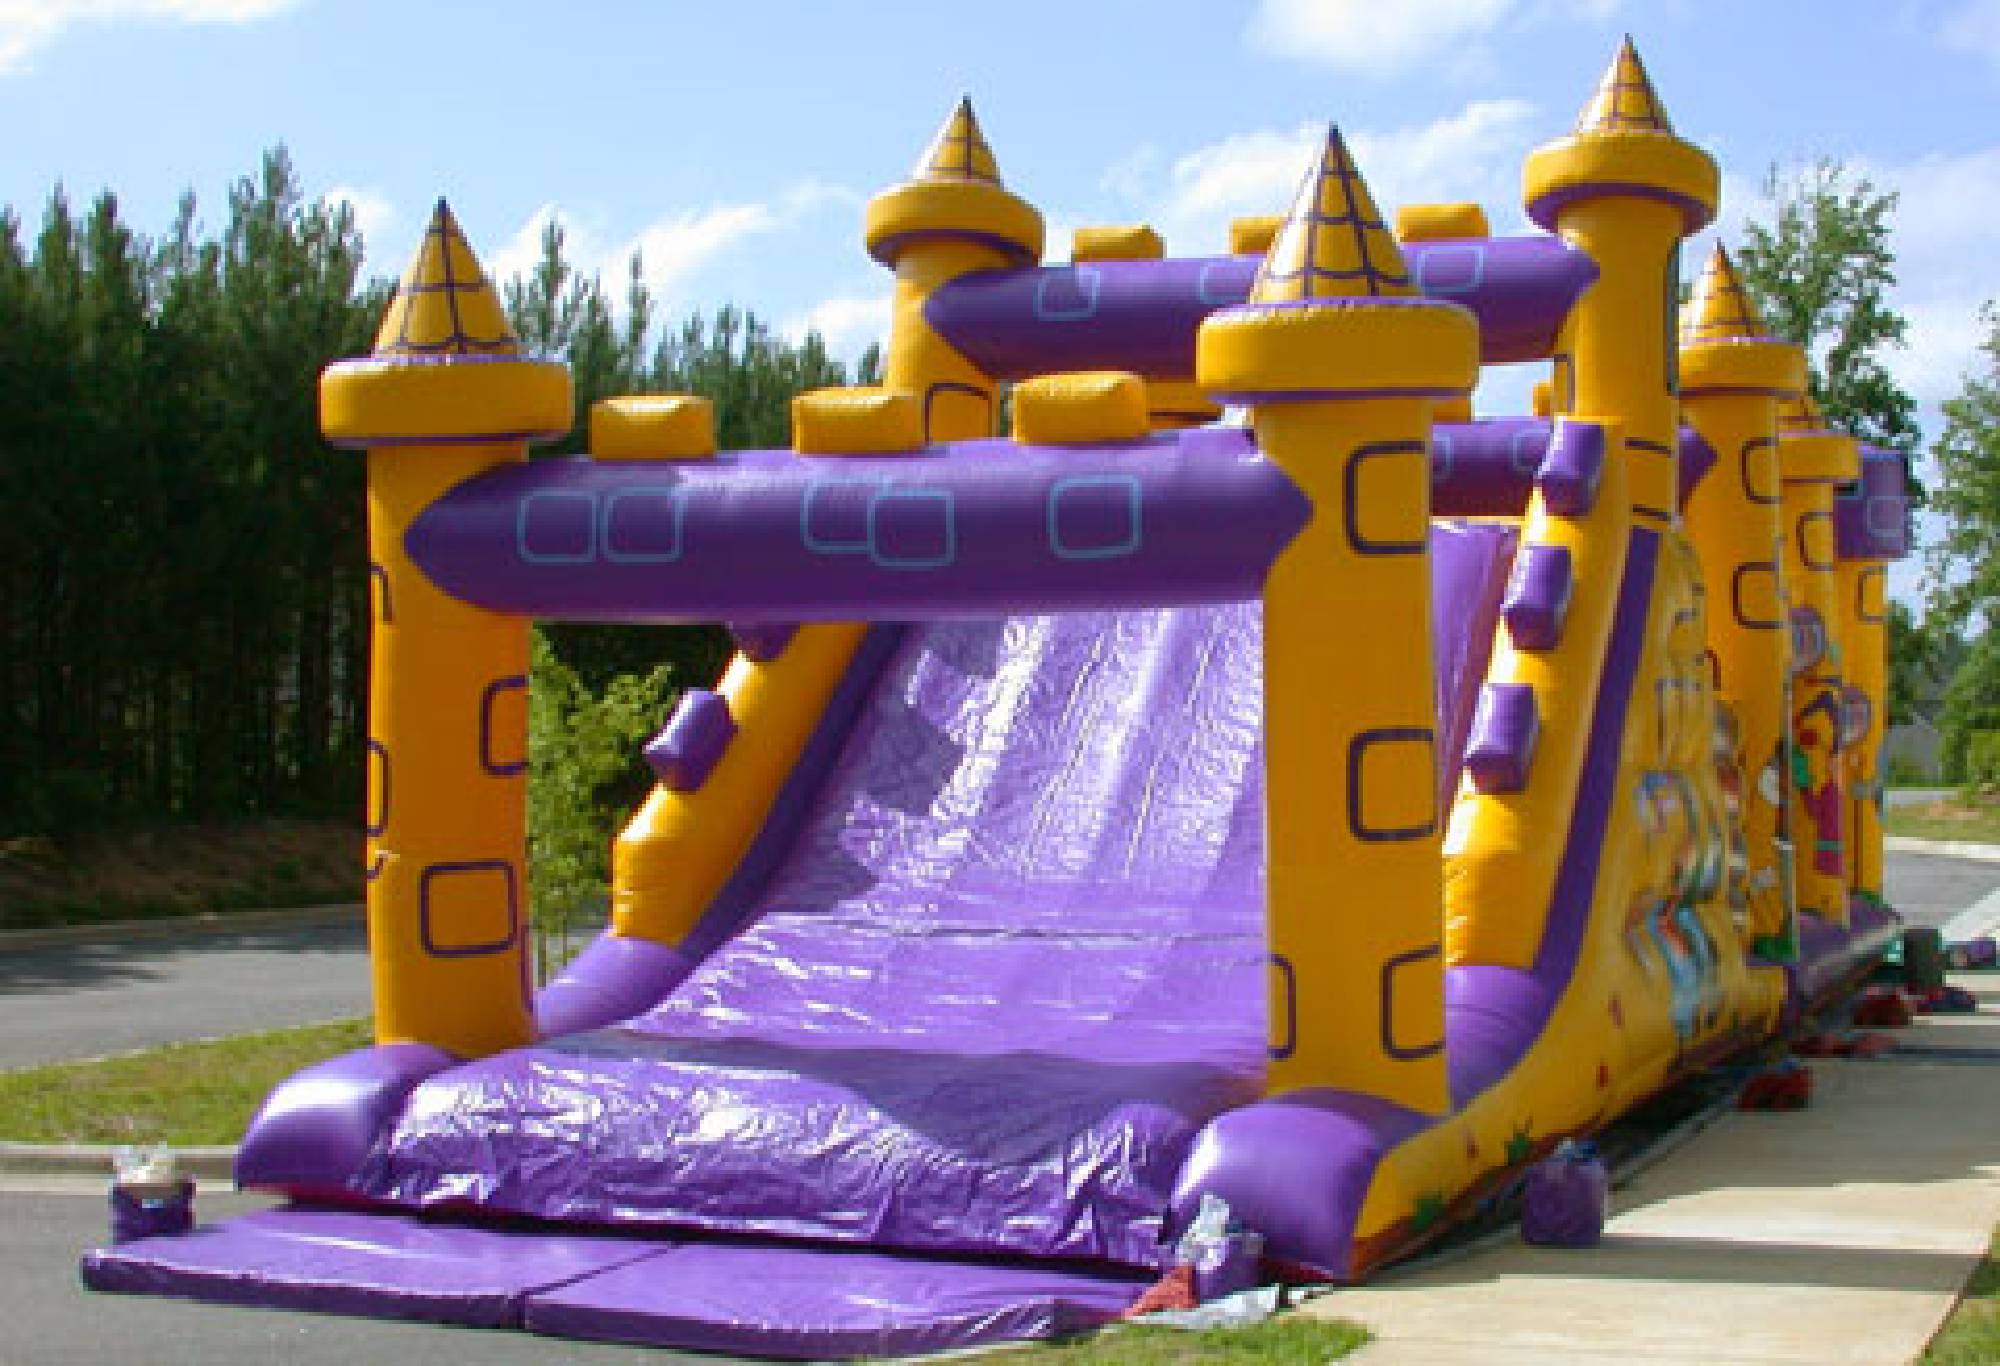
952, 217
1341, 362
1813, 460
446, 395
1624, 189
1733, 375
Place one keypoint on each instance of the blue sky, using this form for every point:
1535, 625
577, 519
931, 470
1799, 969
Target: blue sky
736, 142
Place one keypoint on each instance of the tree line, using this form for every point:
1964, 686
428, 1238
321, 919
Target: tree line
183, 628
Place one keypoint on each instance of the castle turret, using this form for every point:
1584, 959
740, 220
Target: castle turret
446, 395
1733, 376
1340, 362
1625, 189
1872, 525
1813, 460
953, 216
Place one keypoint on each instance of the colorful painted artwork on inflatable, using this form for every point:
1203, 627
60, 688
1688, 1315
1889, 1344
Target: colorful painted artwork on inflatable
1250, 779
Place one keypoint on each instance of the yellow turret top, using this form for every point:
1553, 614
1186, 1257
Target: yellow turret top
955, 191
444, 305
1625, 101
1720, 310
1334, 244
1802, 414
1624, 146
959, 151
1809, 449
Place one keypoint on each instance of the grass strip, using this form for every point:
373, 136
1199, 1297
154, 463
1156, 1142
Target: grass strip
1291, 1339
1974, 820
184, 1094
1971, 1336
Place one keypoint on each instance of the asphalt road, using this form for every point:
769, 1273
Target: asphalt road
87, 1000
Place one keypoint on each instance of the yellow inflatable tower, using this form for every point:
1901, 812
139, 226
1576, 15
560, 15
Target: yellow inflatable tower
1341, 362
952, 217
1733, 376
1813, 460
446, 395
1624, 189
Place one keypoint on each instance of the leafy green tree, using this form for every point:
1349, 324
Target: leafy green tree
1917, 665
1964, 563
1820, 272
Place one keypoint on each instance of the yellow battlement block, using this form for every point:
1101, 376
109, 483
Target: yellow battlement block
1441, 222
1080, 408
1253, 236
1117, 242
858, 421
652, 427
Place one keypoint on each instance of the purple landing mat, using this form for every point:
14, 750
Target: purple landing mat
1012, 963
385, 1266
814, 1303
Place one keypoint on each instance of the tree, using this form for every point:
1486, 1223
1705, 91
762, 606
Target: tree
1964, 563
1918, 665
1820, 272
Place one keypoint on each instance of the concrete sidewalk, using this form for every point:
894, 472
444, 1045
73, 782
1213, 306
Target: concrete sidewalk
1840, 1233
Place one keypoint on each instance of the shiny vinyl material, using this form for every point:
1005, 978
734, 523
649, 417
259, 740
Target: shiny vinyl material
1012, 965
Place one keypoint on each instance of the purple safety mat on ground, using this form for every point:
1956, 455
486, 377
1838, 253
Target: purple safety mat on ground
815, 1303
1012, 964
387, 1266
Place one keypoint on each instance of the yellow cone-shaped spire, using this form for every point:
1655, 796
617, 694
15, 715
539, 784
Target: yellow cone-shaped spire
1334, 244
959, 151
1801, 414
444, 305
1625, 101
1720, 310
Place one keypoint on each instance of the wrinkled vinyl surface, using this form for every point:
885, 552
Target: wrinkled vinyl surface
1012, 965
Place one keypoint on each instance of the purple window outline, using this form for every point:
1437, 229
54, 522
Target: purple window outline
1869, 574
1238, 271
1085, 281
1427, 262
1350, 490
550, 498
676, 520
378, 820
827, 545
1388, 999
1893, 523
1289, 975
1743, 455
473, 950
1527, 448
944, 558
491, 694
1805, 552
1747, 570
1357, 749
1134, 528
378, 577
1657, 451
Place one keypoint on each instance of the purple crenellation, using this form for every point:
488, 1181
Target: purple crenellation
762, 642
1871, 516
1538, 594
1504, 731
684, 753
1142, 315
1571, 471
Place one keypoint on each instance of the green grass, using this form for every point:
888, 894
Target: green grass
1974, 820
184, 1094
1971, 1336
1289, 1340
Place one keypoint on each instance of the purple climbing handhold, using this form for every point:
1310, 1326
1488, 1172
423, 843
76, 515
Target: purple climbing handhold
683, 753
1538, 594
1571, 470
1504, 731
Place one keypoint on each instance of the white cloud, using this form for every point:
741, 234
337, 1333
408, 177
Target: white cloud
674, 248
1386, 38
1470, 154
372, 211
26, 26
1974, 28
847, 323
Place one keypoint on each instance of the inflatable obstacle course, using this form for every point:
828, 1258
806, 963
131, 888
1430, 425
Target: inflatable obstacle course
1251, 783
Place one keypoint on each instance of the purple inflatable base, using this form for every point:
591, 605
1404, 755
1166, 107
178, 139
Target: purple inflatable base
773, 1301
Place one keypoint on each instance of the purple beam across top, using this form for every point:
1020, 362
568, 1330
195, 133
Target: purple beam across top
1487, 468
1142, 315
968, 529
1871, 516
